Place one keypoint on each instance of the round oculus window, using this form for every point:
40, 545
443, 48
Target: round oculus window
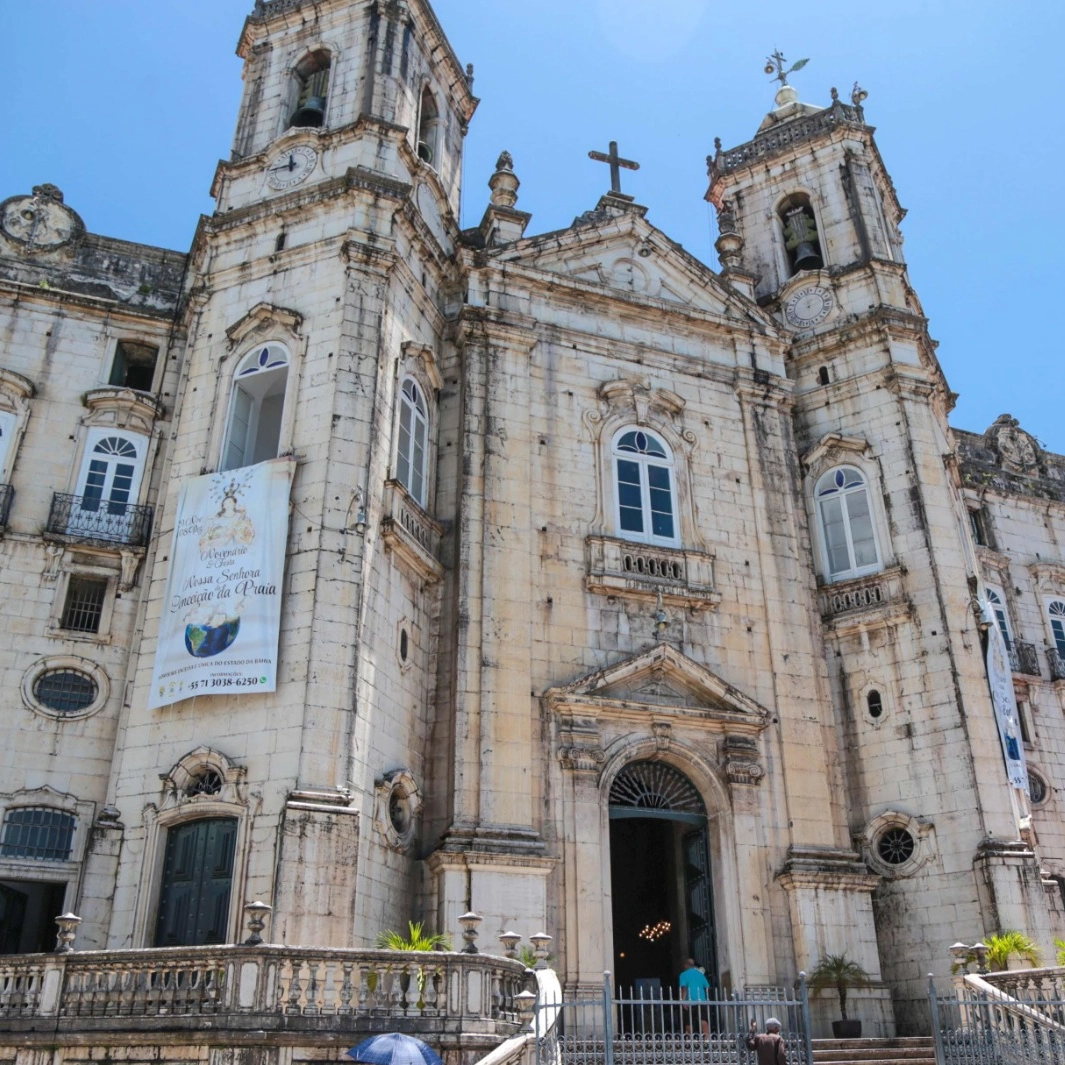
65, 691
896, 846
1037, 788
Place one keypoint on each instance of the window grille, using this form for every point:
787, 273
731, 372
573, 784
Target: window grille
655, 786
896, 846
65, 691
85, 605
38, 832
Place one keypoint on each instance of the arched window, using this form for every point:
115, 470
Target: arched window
1056, 614
108, 485
643, 475
429, 123
312, 89
412, 444
801, 240
846, 524
998, 605
253, 432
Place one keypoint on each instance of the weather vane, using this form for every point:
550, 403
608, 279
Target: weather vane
774, 65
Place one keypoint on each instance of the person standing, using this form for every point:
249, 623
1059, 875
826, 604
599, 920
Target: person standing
695, 990
769, 1047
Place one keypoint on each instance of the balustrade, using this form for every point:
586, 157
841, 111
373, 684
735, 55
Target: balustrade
92, 519
275, 986
1024, 658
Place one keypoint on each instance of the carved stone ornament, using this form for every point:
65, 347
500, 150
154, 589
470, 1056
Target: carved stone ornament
741, 760
187, 782
582, 759
397, 803
41, 221
1016, 449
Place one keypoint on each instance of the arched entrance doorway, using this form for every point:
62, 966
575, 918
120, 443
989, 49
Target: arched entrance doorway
660, 878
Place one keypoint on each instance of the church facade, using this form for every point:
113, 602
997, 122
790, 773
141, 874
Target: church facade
625, 598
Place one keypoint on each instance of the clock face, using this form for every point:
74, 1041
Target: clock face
290, 167
38, 221
808, 306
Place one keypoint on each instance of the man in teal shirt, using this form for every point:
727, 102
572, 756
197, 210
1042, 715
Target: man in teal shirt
695, 988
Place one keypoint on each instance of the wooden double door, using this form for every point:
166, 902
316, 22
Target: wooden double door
197, 883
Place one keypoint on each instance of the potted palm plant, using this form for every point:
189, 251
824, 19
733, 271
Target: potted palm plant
1005, 945
837, 972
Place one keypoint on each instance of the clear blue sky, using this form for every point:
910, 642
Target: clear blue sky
128, 104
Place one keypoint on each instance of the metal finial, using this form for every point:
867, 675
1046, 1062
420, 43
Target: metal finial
774, 65
858, 95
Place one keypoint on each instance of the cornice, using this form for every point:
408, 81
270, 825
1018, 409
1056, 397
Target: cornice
20, 291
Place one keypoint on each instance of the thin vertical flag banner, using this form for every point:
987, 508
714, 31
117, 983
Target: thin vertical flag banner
1000, 679
221, 616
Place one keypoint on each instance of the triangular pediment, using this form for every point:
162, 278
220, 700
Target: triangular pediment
661, 679
621, 252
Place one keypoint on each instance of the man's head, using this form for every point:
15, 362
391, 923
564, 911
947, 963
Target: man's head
689, 963
772, 1025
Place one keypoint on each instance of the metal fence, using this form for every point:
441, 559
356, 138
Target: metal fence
645, 1026
977, 1027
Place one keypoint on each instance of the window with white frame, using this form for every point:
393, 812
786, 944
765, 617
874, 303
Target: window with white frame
429, 126
997, 599
645, 496
846, 519
1056, 616
412, 440
108, 485
7, 436
256, 407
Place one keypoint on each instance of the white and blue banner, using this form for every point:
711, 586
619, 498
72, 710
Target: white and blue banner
221, 614
1000, 679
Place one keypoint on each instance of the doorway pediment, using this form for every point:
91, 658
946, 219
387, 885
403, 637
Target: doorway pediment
660, 682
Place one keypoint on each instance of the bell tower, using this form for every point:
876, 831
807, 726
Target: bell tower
315, 327
809, 226
373, 86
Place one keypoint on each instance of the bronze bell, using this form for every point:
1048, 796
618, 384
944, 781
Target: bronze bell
808, 256
312, 113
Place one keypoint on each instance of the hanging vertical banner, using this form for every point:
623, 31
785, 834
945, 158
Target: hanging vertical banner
1000, 679
222, 612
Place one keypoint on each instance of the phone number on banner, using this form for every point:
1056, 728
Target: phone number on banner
222, 683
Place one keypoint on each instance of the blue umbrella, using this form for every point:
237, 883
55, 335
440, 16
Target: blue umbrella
395, 1049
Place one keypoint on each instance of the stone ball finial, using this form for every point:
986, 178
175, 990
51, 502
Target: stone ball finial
504, 182
835, 94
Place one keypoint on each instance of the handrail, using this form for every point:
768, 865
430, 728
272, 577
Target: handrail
1011, 1004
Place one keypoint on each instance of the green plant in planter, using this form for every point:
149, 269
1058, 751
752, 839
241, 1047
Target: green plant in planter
1060, 945
416, 939
1005, 945
837, 972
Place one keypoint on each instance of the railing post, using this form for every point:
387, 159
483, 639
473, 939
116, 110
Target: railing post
608, 1021
804, 991
937, 1030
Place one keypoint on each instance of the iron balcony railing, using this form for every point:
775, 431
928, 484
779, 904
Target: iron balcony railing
90, 519
1024, 658
7, 494
1057, 664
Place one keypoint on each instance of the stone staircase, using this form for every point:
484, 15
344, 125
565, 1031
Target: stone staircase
916, 1051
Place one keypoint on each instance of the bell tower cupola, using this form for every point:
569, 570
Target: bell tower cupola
373, 85
809, 192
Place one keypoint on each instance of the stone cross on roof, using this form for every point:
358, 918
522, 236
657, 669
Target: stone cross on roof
616, 163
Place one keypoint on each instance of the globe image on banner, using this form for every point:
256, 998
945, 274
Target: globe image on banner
206, 641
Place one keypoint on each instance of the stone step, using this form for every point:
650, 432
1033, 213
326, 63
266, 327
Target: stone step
904, 1051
